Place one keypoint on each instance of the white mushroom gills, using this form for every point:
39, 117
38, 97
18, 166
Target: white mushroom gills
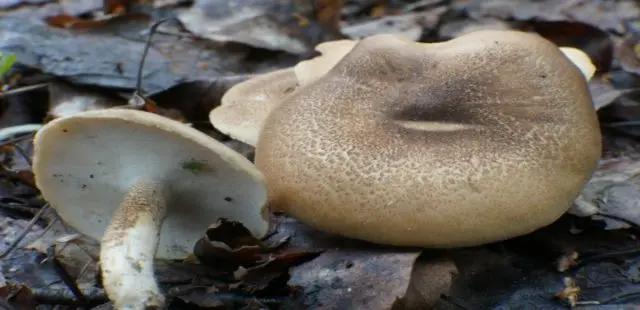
129, 245
148, 187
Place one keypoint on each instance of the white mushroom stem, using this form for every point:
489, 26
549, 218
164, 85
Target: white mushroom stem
129, 246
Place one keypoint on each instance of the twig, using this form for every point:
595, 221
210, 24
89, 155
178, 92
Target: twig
603, 256
18, 208
619, 296
16, 140
22, 153
455, 301
22, 89
152, 31
66, 297
25, 231
8, 132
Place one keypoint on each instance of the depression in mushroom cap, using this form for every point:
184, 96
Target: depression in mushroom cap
478, 139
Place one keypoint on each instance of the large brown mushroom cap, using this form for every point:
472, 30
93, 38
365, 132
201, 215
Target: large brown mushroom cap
481, 138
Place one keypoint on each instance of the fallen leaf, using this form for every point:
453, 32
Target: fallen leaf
229, 245
116, 6
204, 95
42, 9
432, 277
612, 194
459, 27
258, 278
628, 54
348, 274
603, 92
80, 57
17, 296
329, 12
256, 24
594, 42
606, 15
66, 99
407, 25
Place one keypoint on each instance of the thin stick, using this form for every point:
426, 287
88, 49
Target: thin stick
25, 231
17, 139
22, 153
152, 31
22, 89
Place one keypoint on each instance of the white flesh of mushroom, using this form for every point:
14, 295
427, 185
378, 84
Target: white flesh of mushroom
129, 245
148, 187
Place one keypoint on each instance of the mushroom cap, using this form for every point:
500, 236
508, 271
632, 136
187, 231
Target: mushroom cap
482, 138
581, 60
307, 71
84, 165
245, 106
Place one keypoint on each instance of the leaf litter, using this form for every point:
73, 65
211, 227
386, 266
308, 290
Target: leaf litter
87, 55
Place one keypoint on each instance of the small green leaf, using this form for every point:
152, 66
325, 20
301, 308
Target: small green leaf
195, 166
6, 62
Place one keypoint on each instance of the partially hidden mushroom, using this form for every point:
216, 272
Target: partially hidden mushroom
147, 186
245, 106
478, 139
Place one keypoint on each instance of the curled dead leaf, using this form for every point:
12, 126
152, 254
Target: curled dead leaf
229, 245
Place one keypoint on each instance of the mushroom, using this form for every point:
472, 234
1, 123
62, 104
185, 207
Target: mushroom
478, 139
147, 186
244, 106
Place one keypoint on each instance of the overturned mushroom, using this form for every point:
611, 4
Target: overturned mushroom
146, 185
478, 139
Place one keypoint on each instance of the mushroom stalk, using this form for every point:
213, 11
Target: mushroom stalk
129, 246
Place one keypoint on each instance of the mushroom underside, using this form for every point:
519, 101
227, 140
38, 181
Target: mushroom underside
147, 186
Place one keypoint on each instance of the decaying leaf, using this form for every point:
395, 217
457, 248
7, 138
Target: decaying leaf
264, 24
432, 277
607, 15
612, 194
17, 296
110, 56
260, 277
348, 274
41, 9
329, 12
204, 95
603, 92
407, 25
595, 42
460, 27
65, 99
229, 245
628, 53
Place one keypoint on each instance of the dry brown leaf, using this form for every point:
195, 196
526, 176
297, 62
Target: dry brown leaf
66, 99
612, 194
349, 272
432, 277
